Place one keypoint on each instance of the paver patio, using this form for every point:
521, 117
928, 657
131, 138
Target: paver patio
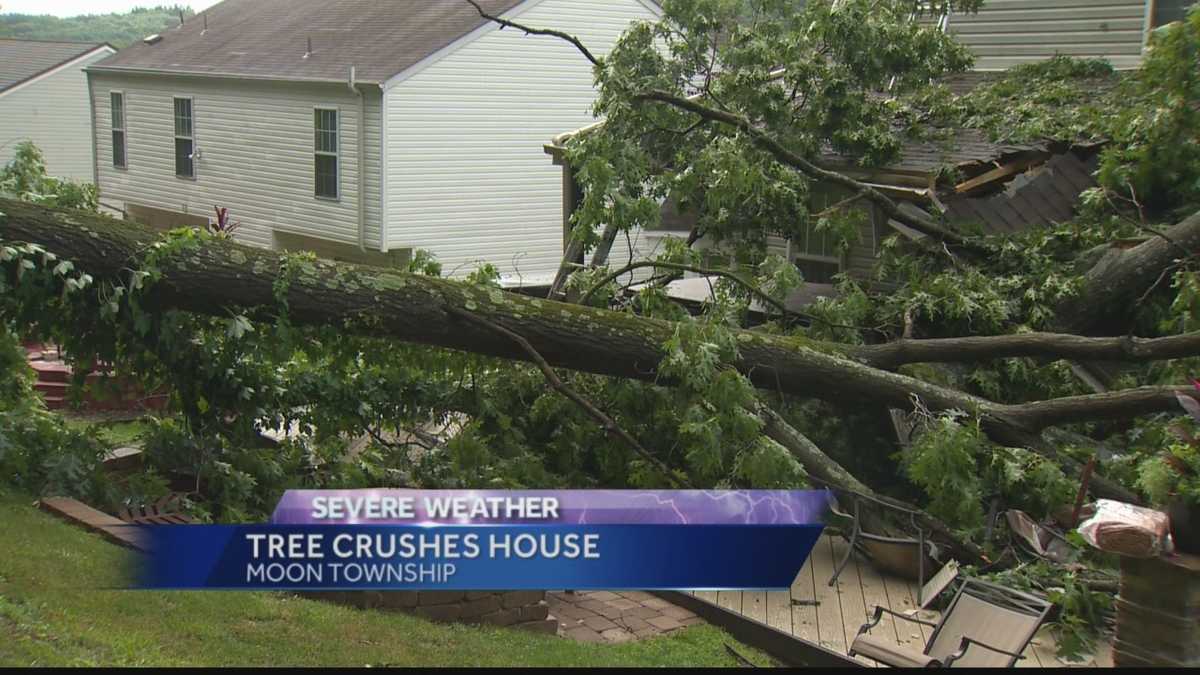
615, 616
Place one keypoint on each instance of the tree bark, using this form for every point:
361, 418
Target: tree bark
216, 276
1048, 345
830, 473
1122, 275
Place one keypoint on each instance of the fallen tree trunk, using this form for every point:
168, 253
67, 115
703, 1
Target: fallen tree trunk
216, 276
829, 473
1122, 275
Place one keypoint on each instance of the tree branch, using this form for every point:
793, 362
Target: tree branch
1048, 345
679, 267
1120, 275
1110, 405
922, 224
505, 23
609, 424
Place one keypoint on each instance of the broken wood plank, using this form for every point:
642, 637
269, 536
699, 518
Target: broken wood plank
996, 174
109, 527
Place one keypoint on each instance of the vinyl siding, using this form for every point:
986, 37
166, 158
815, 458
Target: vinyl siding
467, 177
256, 145
52, 112
1005, 33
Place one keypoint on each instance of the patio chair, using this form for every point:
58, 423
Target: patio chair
905, 557
985, 626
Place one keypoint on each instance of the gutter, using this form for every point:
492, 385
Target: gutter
362, 162
215, 75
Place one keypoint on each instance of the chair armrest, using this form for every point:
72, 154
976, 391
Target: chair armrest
878, 615
967, 643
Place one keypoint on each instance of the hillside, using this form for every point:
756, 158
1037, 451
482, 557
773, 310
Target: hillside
57, 608
117, 29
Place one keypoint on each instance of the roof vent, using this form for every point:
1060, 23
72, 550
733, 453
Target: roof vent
152, 39
308, 52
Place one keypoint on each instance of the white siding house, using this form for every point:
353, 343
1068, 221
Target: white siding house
44, 99
1005, 33
255, 155
432, 125
466, 174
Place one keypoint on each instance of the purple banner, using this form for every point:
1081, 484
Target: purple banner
574, 507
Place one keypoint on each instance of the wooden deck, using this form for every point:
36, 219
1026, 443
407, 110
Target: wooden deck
831, 615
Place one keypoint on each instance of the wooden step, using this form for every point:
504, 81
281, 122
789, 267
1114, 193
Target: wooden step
58, 389
51, 371
55, 402
109, 527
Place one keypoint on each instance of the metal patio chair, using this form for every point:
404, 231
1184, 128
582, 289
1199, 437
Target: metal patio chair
985, 626
903, 556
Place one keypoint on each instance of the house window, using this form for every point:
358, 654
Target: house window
185, 139
815, 255
325, 152
814, 251
117, 100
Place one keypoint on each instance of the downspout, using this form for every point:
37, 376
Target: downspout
383, 168
362, 162
92, 108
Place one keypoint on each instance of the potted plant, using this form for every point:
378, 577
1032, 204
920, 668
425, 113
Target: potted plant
1171, 481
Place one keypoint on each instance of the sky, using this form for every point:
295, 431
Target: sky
76, 7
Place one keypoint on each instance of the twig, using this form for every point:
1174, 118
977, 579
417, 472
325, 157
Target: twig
610, 426
505, 23
845, 202
679, 267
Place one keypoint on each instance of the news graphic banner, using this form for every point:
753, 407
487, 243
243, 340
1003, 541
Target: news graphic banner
499, 540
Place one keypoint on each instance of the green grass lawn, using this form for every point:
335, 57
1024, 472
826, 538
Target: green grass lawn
115, 433
55, 611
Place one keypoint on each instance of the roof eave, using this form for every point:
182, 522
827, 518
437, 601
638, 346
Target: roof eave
161, 72
95, 47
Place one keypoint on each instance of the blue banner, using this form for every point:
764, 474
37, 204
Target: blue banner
492, 540
498, 557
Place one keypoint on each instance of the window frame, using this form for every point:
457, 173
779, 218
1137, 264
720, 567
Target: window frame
175, 138
822, 197
123, 129
336, 153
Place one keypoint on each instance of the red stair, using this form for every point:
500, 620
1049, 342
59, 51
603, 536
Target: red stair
54, 383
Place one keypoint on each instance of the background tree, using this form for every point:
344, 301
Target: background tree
120, 29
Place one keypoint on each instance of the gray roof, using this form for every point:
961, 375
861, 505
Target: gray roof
22, 60
963, 149
269, 38
1044, 195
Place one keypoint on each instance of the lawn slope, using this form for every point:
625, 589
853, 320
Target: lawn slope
57, 608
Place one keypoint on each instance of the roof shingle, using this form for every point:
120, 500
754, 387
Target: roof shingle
269, 38
21, 60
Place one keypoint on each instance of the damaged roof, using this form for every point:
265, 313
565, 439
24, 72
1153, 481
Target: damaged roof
1043, 195
963, 149
270, 39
